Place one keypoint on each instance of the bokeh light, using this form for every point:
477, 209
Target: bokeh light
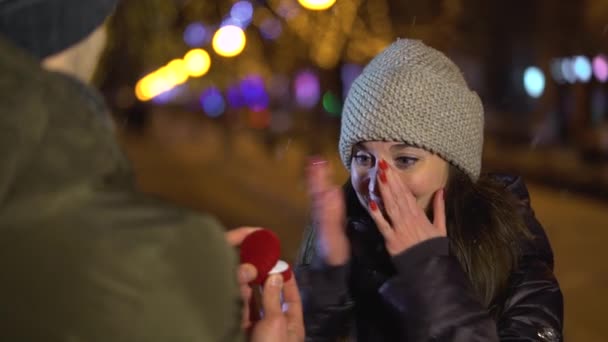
271, 28
307, 89
233, 95
348, 73
567, 67
230, 21
161, 80
534, 81
229, 41
196, 35
259, 119
556, 71
582, 68
174, 72
197, 62
151, 86
253, 93
317, 5
168, 96
242, 11
332, 104
600, 68
213, 102
288, 10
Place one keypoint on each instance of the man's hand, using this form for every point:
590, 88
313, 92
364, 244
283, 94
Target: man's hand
281, 322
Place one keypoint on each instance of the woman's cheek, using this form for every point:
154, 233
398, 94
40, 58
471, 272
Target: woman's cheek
422, 188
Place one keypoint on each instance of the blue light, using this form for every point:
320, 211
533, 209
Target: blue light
233, 95
534, 81
582, 68
271, 28
213, 102
253, 92
556, 71
242, 11
167, 96
567, 67
196, 35
348, 73
234, 22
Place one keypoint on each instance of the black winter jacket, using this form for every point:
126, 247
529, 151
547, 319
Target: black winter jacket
423, 294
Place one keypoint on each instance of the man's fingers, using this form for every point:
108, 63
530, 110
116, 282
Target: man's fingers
246, 273
271, 297
236, 236
246, 294
293, 303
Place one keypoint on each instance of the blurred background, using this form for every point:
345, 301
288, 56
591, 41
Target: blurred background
219, 104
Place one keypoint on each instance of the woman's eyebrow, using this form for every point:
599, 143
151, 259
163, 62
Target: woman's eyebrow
359, 147
401, 146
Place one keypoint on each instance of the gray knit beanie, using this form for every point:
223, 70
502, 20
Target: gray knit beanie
413, 93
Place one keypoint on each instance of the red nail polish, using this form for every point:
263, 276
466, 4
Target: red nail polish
316, 160
373, 206
382, 176
383, 165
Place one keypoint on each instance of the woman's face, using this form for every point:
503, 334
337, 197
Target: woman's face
422, 172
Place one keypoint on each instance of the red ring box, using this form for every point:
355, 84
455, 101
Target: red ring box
262, 249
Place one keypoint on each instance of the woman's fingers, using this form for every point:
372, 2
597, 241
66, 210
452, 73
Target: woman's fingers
402, 194
406, 223
318, 174
383, 225
328, 210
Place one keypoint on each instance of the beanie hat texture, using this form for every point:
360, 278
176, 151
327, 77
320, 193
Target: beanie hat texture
414, 94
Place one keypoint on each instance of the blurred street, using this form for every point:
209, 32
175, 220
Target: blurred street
245, 183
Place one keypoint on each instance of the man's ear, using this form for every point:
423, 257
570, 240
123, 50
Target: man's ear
79, 60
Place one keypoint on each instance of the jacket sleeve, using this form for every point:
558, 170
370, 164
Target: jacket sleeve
328, 306
121, 271
434, 297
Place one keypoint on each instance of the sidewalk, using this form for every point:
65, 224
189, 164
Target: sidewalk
558, 167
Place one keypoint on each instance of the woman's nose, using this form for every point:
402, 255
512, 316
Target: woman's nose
372, 186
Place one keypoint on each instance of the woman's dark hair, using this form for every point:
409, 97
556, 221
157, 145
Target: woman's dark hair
485, 228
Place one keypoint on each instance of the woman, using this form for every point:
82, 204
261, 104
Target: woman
419, 245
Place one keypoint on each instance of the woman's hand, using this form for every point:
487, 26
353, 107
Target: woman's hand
329, 214
407, 223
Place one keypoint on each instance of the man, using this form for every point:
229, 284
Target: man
83, 255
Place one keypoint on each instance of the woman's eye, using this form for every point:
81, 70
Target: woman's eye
363, 160
405, 161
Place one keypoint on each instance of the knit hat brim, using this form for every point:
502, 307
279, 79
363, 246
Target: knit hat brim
414, 94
